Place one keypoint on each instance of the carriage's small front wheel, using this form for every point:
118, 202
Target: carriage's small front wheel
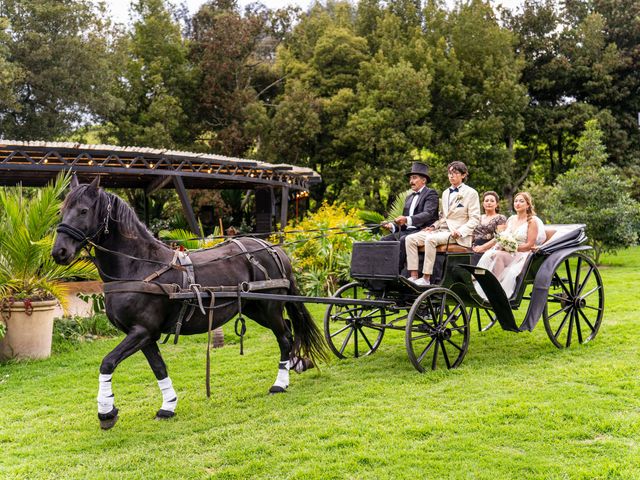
575, 302
353, 330
437, 330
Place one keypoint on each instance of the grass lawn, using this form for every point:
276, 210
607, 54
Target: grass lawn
516, 408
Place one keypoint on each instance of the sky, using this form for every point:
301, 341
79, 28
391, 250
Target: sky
120, 8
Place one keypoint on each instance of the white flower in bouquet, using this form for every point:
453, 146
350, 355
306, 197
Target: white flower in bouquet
507, 242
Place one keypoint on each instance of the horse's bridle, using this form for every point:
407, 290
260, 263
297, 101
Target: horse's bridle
79, 235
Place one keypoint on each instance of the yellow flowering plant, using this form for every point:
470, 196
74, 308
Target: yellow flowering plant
320, 247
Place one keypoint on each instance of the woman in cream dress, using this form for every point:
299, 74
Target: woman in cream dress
528, 230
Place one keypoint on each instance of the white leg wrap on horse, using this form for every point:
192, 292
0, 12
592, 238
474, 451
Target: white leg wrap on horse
169, 396
105, 394
282, 380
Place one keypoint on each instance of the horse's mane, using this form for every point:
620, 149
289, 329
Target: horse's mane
129, 225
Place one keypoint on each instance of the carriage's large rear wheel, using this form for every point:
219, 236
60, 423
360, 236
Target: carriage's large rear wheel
484, 317
575, 302
437, 330
353, 330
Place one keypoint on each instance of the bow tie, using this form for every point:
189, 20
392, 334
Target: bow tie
415, 193
452, 190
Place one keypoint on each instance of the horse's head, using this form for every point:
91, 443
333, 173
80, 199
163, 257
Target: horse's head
84, 216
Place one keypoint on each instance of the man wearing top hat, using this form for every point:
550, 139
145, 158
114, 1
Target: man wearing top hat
460, 215
420, 209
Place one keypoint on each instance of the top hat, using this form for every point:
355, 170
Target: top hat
419, 168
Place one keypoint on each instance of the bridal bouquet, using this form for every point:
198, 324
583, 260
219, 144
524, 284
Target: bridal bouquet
507, 242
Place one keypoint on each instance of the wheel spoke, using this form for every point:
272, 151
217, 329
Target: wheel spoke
435, 357
569, 280
365, 338
578, 329
587, 320
341, 330
432, 310
451, 318
562, 285
593, 290
563, 309
355, 343
584, 282
346, 341
455, 345
558, 298
426, 350
443, 308
444, 353
458, 328
577, 281
564, 321
420, 337
597, 309
570, 328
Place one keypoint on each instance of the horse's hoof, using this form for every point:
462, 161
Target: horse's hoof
108, 420
164, 414
275, 389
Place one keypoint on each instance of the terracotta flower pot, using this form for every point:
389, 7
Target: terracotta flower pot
28, 335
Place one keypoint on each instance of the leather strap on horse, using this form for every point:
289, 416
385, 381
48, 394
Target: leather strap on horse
252, 260
208, 374
272, 251
240, 321
166, 268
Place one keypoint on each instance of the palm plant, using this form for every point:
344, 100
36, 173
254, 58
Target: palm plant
27, 222
187, 239
395, 211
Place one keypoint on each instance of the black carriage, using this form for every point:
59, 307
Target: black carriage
559, 283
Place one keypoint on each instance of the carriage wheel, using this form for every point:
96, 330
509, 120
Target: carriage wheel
484, 324
353, 330
437, 330
575, 302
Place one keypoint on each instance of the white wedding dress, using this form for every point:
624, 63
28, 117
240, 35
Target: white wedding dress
511, 272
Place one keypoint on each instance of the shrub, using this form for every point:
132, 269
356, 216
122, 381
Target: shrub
320, 248
68, 331
597, 196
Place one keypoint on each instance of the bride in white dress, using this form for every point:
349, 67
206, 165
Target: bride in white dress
528, 230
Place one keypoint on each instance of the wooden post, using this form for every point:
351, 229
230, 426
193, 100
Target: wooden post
284, 207
186, 206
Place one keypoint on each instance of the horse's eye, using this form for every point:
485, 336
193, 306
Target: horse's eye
84, 211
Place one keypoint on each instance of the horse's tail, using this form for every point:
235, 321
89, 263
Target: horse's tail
308, 340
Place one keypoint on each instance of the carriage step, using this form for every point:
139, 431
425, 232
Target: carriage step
495, 295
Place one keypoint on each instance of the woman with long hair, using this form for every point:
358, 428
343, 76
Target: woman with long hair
491, 221
506, 254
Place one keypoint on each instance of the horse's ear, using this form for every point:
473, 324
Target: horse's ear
74, 181
96, 183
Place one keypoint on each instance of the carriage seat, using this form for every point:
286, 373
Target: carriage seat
453, 248
549, 232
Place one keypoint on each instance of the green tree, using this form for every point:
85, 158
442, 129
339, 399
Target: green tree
60, 67
156, 82
234, 54
476, 94
594, 194
11, 73
569, 72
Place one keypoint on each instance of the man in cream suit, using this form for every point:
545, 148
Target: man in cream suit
460, 215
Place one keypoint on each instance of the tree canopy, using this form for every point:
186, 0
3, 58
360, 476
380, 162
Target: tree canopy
354, 90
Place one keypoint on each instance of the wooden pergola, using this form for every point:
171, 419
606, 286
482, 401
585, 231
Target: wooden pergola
36, 163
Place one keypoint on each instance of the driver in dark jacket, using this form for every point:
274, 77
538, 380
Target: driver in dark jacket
420, 209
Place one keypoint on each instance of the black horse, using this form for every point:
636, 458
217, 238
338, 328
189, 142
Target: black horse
125, 249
